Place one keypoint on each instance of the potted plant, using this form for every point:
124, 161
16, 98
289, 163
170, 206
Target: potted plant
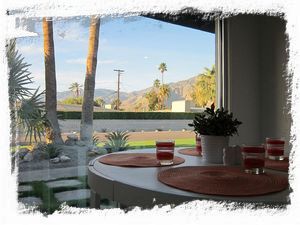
215, 127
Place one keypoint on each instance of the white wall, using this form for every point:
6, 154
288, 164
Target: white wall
257, 86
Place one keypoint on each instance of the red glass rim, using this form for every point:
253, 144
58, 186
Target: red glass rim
275, 141
165, 144
253, 149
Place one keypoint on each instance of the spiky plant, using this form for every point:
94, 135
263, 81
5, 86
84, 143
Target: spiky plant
117, 141
96, 140
27, 107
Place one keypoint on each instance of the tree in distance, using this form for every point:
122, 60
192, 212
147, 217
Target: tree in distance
75, 88
162, 68
204, 90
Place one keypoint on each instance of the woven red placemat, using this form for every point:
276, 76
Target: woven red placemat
281, 165
135, 160
189, 151
221, 180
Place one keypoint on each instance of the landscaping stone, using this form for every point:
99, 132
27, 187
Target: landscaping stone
39, 154
64, 158
72, 137
55, 160
73, 195
25, 188
63, 183
32, 201
28, 157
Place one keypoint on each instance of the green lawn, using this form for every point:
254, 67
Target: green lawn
184, 142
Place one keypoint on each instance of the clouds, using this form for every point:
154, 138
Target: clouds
82, 61
31, 49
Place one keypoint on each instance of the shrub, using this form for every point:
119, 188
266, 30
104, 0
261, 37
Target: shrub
117, 141
73, 100
131, 115
51, 150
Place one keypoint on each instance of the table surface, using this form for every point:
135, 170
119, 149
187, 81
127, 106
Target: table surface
133, 186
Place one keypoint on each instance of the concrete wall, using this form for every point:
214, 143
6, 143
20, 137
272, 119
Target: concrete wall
257, 86
182, 106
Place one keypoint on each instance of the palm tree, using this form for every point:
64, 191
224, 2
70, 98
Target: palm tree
164, 93
204, 90
156, 83
162, 68
52, 133
75, 88
100, 102
115, 104
86, 126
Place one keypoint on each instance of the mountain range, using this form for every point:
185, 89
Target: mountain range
180, 90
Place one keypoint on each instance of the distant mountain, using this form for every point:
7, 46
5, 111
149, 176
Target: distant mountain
107, 95
179, 91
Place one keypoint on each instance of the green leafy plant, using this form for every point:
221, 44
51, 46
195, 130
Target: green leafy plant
215, 122
117, 141
51, 150
26, 107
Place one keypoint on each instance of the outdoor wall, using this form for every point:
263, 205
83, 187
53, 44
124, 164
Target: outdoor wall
257, 86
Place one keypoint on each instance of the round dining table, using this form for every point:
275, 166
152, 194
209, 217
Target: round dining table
139, 186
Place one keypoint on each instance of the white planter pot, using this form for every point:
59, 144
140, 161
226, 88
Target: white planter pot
212, 148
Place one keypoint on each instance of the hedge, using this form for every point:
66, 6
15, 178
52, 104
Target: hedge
130, 115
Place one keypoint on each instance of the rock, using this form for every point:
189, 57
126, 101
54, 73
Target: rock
80, 143
72, 137
28, 157
55, 160
70, 142
39, 154
64, 158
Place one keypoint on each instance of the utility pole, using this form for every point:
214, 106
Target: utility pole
118, 90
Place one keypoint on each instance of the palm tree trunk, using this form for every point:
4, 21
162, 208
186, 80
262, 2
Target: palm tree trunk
86, 126
52, 134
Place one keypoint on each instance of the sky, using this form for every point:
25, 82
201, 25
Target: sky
134, 44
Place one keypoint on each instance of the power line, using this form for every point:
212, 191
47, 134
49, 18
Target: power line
118, 89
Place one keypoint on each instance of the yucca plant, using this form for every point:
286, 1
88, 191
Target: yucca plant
96, 140
27, 107
117, 141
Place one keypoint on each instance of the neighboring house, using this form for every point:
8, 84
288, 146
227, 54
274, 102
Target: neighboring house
182, 106
107, 106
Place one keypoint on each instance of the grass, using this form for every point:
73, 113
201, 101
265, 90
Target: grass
187, 142
183, 142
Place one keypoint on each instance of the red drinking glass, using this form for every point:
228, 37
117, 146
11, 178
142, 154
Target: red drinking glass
275, 148
198, 144
253, 159
165, 152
